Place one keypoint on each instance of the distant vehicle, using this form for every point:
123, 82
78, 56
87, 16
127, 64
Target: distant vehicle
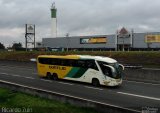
90, 69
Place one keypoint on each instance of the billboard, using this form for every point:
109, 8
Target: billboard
30, 28
93, 40
152, 38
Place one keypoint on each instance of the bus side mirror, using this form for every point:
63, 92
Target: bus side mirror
121, 66
33, 60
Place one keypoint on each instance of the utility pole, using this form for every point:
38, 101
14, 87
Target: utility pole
67, 38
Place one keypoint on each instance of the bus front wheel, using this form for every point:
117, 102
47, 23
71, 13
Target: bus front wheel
95, 82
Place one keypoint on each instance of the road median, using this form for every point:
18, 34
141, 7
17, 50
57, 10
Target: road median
143, 75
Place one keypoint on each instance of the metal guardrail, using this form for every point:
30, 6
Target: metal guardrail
78, 101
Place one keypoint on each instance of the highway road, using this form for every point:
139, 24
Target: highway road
132, 94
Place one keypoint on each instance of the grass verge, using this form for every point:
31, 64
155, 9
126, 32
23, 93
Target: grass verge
24, 103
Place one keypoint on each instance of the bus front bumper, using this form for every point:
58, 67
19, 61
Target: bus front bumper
113, 82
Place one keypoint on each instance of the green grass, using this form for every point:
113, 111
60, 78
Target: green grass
11, 99
144, 58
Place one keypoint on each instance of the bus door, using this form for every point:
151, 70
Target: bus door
92, 70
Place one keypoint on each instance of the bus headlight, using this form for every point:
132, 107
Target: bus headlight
107, 82
118, 80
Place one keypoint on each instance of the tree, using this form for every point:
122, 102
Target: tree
2, 46
17, 46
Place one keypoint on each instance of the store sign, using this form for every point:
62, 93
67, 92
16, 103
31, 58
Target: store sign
152, 38
30, 28
94, 40
123, 33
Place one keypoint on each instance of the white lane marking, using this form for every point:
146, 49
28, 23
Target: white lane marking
65, 83
4, 73
46, 80
93, 88
141, 96
141, 82
3, 69
29, 77
34, 73
14, 75
154, 69
71, 96
26, 68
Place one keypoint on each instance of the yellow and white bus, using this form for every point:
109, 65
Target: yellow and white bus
90, 69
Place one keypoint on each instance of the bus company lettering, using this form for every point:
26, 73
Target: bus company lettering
57, 67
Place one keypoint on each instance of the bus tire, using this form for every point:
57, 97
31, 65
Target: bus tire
49, 76
55, 76
95, 82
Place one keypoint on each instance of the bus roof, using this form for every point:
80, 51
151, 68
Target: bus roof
58, 56
99, 58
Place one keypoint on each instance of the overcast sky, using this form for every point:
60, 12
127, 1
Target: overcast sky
77, 17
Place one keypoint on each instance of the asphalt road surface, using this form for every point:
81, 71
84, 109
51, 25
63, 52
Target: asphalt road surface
132, 94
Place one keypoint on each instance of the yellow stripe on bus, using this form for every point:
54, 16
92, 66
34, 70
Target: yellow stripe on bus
63, 57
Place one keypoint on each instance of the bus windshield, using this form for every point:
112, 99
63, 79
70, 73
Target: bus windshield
113, 70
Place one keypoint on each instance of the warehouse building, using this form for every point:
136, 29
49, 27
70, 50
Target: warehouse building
123, 40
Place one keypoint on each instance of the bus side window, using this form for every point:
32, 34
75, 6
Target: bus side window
52, 61
81, 63
43, 60
58, 62
65, 62
106, 70
40, 60
91, 64
71, 63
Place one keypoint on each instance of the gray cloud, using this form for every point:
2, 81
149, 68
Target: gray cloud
78, 17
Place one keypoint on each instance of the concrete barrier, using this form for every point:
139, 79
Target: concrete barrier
98, 106
144, 75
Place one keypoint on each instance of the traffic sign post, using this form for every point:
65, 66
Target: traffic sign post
30, 35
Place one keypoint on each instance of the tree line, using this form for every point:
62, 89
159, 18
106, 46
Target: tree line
14, 46
2, 46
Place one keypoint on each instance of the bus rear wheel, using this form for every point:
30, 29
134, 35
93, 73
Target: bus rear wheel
95, 82
49, 76
55, 76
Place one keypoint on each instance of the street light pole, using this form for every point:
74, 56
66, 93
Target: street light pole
67, 37
123, 43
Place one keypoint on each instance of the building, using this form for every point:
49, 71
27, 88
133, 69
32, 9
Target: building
39, 45
123, 40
